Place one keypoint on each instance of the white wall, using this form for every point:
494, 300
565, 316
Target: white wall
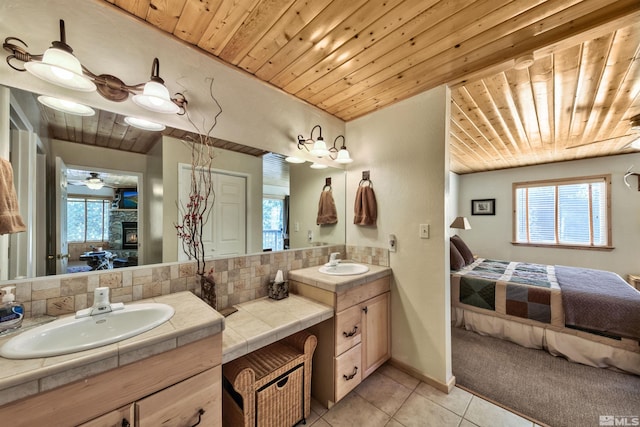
490, 236
404, 147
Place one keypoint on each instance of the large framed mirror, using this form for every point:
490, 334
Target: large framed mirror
129, 217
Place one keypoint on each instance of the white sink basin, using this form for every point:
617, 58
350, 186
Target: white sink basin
70, 334
344, 269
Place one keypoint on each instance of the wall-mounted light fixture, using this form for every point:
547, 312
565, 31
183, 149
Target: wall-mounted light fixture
59, 66
319, 148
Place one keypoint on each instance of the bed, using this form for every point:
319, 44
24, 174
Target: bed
585, 315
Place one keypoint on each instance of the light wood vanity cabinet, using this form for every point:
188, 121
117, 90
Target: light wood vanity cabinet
166, 389
352, 344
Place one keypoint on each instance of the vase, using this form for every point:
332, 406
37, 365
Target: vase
208, 291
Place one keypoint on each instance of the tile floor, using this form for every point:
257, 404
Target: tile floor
390, 397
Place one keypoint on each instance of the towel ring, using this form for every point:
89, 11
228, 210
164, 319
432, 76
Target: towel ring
326, 187
365, 180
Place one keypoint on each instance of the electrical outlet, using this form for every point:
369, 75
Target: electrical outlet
424, 231
310, 236
296, 226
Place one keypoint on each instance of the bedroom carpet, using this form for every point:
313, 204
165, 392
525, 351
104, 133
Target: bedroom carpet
546, 388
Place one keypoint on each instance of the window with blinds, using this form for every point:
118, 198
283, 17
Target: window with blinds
87, 220
571, 212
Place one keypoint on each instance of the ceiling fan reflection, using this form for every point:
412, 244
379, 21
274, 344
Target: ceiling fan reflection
93, 182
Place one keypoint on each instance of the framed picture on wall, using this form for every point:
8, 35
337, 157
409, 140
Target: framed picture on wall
483, 207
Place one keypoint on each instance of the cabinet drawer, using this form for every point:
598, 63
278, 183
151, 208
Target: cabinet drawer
348, 371
118, 418
179, 404
348, 329
361, 293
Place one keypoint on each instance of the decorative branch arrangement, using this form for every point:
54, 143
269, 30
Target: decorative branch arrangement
196, 212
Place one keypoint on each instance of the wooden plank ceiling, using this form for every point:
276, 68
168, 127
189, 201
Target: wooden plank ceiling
109, 130
353, 57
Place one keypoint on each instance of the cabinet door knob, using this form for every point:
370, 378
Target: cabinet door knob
125, 423
352, 333
366, 310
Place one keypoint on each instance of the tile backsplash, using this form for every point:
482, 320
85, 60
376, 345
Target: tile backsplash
238, 279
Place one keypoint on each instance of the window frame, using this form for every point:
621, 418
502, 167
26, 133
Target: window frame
106, 202
559, 182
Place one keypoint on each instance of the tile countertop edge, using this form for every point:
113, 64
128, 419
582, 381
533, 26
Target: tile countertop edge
23, 374
311, 276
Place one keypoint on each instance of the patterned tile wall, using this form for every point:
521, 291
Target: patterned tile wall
238, 279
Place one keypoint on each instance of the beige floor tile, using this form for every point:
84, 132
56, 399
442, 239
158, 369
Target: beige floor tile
353, 410
419, 411
486, 414
320, 423
313, 417
383, 392
456, 401
399, 376
393, 423
317, 407
467, 423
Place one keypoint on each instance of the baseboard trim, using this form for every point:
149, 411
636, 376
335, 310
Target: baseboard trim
443, 387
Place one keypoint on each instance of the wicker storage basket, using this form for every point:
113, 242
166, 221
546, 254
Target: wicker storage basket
270, 386
280, 402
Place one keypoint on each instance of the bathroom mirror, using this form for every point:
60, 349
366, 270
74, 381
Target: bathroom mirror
149, 175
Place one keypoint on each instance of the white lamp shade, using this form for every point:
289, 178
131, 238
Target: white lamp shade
95, 184
144, 124
318, 166
319, 148
155, 97
61, 68
461, 223
65, 106
294, 159
343, 156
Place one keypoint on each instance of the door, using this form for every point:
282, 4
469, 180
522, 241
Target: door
376, 338
230, 215
224, 233
62, 247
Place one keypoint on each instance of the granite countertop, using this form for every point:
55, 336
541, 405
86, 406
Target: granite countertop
193, 320
311, 276
263, 321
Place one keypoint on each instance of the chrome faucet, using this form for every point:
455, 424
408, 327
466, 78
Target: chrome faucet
101, 304
333, 260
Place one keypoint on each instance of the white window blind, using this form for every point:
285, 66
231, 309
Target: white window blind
572, 212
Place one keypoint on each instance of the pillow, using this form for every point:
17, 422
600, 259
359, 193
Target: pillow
456, 260
463, 249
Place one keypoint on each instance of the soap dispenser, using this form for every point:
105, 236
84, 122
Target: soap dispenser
11, 312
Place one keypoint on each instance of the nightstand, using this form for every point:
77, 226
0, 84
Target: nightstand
634, 280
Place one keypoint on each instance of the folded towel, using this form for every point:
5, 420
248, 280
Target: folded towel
366, 209
10, 219
327, 213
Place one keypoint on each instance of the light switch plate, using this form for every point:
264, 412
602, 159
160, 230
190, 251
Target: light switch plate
424, 231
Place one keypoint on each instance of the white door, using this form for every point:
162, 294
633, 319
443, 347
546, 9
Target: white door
62, 247
230, 215
224, 233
